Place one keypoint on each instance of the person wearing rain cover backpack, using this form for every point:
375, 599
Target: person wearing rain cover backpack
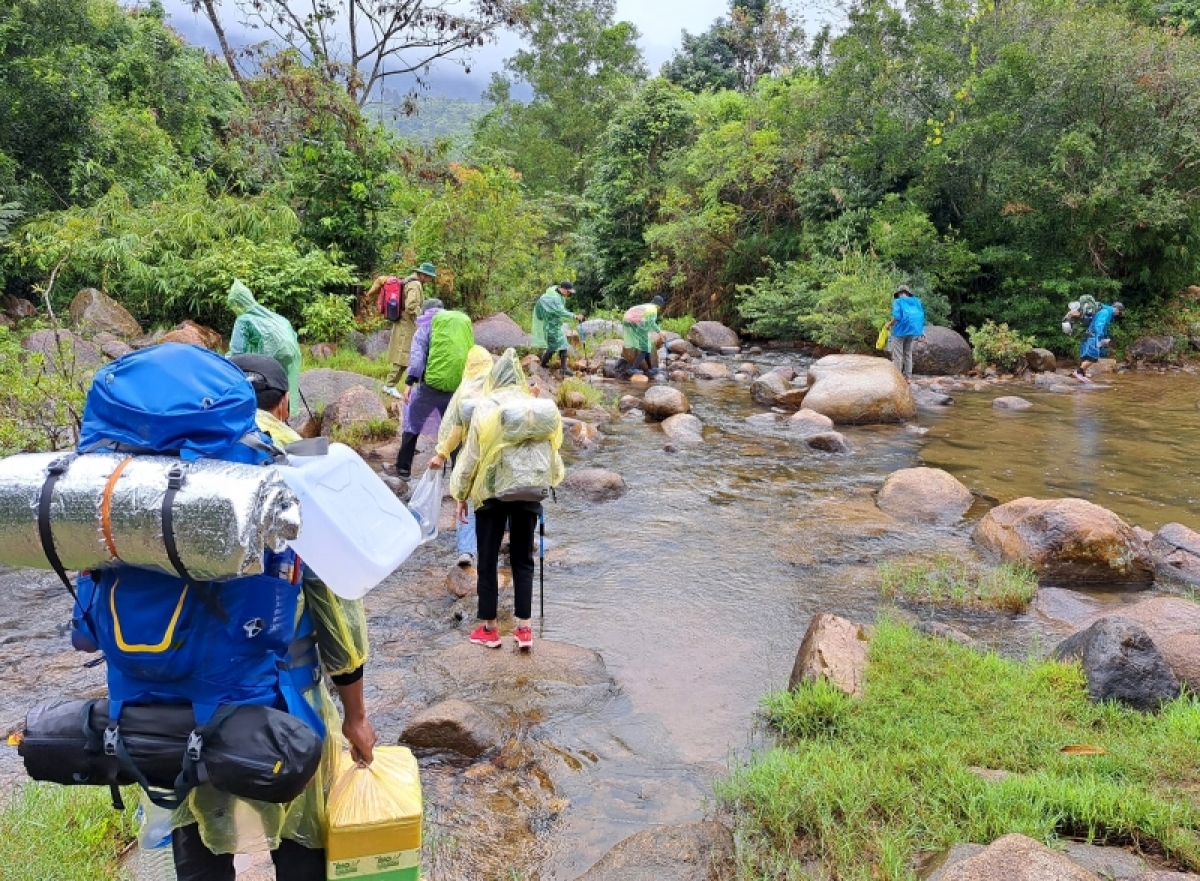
210, 826
258, 330
486, 468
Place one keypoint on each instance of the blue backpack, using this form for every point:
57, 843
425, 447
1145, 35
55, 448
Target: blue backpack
172, 639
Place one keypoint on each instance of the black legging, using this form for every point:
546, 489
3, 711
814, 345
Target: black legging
490, 519
549, 353
195, 862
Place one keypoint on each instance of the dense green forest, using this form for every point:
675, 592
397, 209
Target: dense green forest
1002, 158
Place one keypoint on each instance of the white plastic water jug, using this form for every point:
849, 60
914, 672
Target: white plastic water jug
354, 532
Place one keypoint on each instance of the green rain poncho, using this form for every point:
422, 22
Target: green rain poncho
259, 330
638, 324
549, 313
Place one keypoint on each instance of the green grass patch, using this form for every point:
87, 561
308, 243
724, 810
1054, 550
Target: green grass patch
63, 833
349, 360
577, 393
376, 430
869, 786
947, 579
680, 325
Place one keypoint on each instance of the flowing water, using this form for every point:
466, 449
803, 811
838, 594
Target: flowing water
696, 587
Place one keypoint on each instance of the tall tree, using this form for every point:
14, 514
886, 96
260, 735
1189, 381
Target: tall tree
361, 44
580, 65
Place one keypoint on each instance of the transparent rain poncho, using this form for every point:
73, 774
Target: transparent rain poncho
458, 412
513, 441
261, 331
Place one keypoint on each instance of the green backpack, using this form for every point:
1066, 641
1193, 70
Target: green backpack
450, 338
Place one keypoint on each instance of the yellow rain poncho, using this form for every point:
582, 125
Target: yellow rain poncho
229, 824
259, 330
513, 441
458, 412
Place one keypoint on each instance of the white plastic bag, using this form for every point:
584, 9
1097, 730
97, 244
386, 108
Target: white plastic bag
426, 503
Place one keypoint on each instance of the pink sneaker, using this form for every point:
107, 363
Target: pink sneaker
524, 637
481, 635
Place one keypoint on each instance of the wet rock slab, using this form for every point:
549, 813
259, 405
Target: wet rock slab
690, 852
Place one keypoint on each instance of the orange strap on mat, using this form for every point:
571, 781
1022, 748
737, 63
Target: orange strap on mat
106, 508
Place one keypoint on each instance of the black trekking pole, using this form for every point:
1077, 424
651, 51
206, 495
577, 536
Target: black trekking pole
542, 565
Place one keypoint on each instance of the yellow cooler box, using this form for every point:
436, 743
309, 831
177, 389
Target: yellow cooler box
375, 818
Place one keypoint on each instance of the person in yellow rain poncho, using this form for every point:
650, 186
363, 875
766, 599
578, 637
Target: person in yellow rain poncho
211, 826
258, 330
509, 462
451, 434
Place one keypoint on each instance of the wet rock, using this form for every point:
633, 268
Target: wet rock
680, 376
1065, 608
94, 312
683, 428
1110, 863
786, 371
376, 343
460, 580
323, 351
499, 332
1176, 553
943, 352
453, 725
810, 421
1066, 541
184, 335
629, 402
1151, 348
1041, 361
1057, 382
322, 387
639, 379
692, 852
356, 341
663, 401
942, 630
583, 435
1011, 403
730, 350
1014, 857
17, 308
63, 352
610, 348
355, 408
927, 397
828, 442
1167, 876
955, 855
398, 486
712, 370
772, 390
115, 349
749, 369
929, 495
833, 649
683, 347
1174, 625
712, 336
596, 484
858, 390
1121, 663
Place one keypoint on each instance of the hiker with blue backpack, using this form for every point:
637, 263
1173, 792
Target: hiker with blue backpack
435, 369
1096, 339
216, 702
258, 330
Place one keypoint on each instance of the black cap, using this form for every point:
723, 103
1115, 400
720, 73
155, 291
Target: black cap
566, 285
264, 372
657, 301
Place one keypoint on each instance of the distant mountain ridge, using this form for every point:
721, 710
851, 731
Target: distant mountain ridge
437, 117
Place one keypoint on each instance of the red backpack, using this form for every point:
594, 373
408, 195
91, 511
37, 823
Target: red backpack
391, 299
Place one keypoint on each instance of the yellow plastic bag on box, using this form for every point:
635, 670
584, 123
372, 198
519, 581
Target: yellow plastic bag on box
375, 818
882, 342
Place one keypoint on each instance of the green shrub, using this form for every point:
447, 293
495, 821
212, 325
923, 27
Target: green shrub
41, 398
327, 319
680, 325
998, 344
577, 393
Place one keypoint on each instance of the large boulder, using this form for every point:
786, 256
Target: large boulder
773, 390
186, 334
943, 352
322, 387
683, 428
376, 343
1121, 663
1015, 857
94, 312
1174, 625
692, 852
453, 725
17, 308
930, 495
858, 390
663, 401
499, 332
1175, 550
833, 649
63, 351
1151, 348
712, 370
1041, 361
596, 484
810, 421
209, 338
356, 408
683, 347
1066, 541
712, 336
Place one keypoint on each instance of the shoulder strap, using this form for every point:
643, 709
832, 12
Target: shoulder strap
175, 479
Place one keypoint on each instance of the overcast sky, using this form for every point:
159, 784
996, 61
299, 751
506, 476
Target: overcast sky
660, 23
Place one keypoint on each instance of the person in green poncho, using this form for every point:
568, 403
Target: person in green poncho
549, 313
639, 324
258, 330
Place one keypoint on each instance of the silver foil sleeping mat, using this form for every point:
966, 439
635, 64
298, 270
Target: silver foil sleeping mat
109, 506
